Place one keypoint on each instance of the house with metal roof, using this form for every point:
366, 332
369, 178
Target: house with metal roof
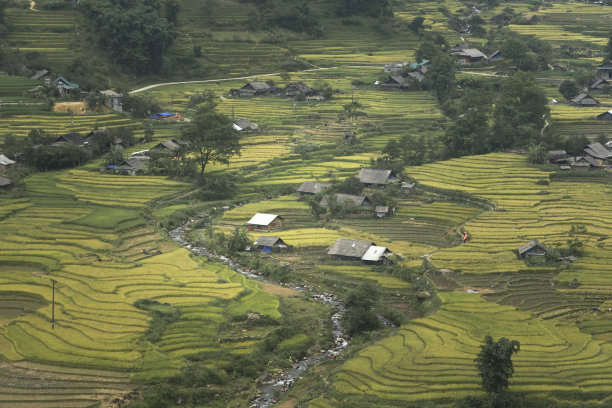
6, 163
605, 70
265, 222
532, 248
349, 249
298, 88
113, 100
64, 86
584, 99
254, 88
349, 200
598, 151
245, 125
607, 115
271, 244
375, 177
469, 55
311, 188
376, 255
131, 167
40, 74
5, 183
600, 84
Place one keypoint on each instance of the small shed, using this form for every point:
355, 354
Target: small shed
245, 125
349, 249
376, 255
271, 244
6, 163
556, 156
349, 200
5, 183
113, 100
374, 177
532, 248
311, 188
349, 137
584, 100
254, 88
382, 211
296, 88
607, 115
408, 188
265, 222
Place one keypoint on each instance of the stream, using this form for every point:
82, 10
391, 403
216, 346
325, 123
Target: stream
271, 389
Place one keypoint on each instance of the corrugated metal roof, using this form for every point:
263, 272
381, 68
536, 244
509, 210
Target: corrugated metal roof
374, 253
312, 187
5, 161
268, 241
349, 248
373, 176
262, 219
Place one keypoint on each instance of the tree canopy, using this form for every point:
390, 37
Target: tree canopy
494, 363
212, 138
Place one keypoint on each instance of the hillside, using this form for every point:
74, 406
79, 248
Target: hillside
97, 302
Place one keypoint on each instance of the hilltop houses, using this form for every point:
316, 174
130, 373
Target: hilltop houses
131, 167
365, 251
265, 222
255, 88
376, 178
311, 188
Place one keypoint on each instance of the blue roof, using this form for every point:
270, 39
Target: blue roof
65, 81
163, 114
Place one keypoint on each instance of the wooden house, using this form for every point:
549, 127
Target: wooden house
271, 244
6, 163
245, 125
584, 100
298, 88
557, 156
374, 177
349, 200
5, 183
597, 151
168, 145
349, 249
469, 56
397, 82
130, 167
607, 115
532, 248
394, 67
605, 70
113, 100
459, 48
72, 138
585, 163
255, 88
311, 188
265, 222
382, 211
600, 84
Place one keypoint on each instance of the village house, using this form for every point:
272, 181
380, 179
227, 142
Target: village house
408, 188
607, 115
245, 125
298, 88
169, 145
311, 188
600, 84
255, 88
395, 67
559, 66
5, 183
605, 70
64, 86
373, 177
585, 163
598, 151
365, 251
265, 222
382, 211
6, 163
113, 100
131, 167
584, 100
349, 200
72, 138
459, 48
376, 255
397, 82
496, 56
349, 249
469, 55
271, 244
532, 248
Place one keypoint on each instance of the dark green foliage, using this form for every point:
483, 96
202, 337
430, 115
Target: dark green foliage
430, 49
135, 34
525, 52
114, 155
569, 89
411, 150
163, 315
608, 49
494, 364
141, 106
239, 240
536, 154
371, 8
45, 158
416, 24
205, 101
350, 185
470, 133
440, 77
157, 396
353, 110
212, 138
359, 316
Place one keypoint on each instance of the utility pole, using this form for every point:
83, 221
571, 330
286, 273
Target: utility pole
53, 305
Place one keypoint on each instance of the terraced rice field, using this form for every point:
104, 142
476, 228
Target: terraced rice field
85, 230
431, 359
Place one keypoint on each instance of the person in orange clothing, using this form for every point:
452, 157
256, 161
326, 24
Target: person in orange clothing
465, 237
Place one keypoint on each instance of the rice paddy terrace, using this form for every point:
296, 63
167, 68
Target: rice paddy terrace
86, 231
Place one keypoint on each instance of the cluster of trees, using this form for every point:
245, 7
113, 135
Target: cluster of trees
136, 34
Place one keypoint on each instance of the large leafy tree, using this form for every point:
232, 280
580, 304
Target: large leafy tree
494, 363
470, 133
441, 76
212, 138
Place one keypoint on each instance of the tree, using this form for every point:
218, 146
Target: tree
239, 240
359, 302
608, 49
440, 77
494, 364
114, 155
351, 185
569, 89
416, 24
470, 133
536, 154
212, 138
353, 110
